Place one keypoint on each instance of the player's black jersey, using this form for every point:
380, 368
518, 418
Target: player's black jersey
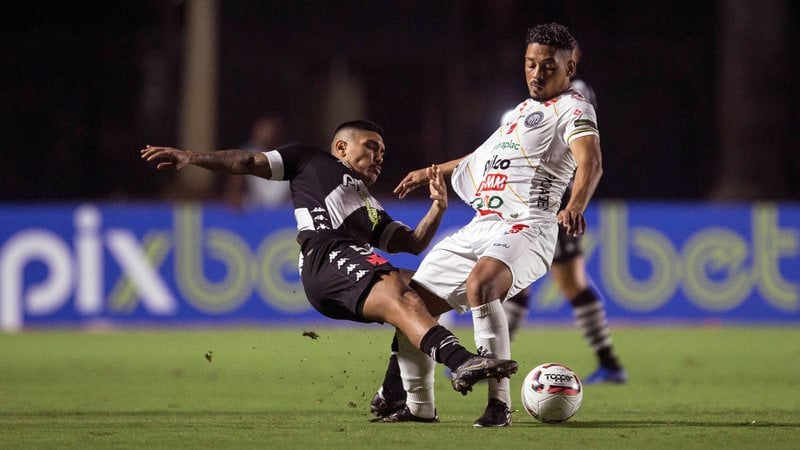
329, 197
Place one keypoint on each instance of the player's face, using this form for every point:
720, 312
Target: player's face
364, 154
547, 71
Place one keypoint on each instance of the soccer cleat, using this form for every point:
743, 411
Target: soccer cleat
479, 368
607, 375
496, 414
383, 407
404, 415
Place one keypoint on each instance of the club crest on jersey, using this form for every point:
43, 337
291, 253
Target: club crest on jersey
533, 119
376, 259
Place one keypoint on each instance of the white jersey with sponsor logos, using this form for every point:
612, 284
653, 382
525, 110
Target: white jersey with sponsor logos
522, 170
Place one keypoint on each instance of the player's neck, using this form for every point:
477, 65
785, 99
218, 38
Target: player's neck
344, 162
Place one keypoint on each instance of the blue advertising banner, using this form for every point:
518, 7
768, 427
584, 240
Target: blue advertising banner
128, 264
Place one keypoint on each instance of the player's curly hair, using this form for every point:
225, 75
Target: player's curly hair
553, 35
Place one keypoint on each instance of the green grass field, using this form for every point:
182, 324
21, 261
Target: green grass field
721, 387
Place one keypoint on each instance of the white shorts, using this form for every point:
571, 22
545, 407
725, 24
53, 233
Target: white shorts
525, 247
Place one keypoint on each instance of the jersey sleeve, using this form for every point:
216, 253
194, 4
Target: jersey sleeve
581, 119
286, 162
385, 228
388, 231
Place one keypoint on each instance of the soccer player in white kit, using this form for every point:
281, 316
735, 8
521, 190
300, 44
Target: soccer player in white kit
514, 181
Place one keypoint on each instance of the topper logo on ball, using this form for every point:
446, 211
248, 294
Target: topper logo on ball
557, 377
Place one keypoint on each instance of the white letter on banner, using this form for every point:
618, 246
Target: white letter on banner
51, 293
155, 295
771, 243
89, 255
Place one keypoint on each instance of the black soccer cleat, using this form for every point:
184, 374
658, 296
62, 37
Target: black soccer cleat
479, 368
404, 415
383, 407
496, 414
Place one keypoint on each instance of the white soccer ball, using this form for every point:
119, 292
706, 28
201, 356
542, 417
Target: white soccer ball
552, 393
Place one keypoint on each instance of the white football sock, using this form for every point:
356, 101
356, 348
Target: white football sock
491, 333
417, 371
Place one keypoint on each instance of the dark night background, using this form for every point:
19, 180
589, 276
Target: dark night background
86, 84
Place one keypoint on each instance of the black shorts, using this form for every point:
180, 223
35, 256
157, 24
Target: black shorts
338, 274
567, 247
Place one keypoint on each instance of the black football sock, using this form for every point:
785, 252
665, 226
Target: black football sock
516, 311
444, 347
590, 316
392, 381
521, 299
608, 358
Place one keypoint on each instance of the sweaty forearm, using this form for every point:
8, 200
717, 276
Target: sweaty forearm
586, 179
589, 159
230, 161
448, 167
425, 230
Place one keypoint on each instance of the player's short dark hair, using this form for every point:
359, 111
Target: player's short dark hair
553, 35
365, 125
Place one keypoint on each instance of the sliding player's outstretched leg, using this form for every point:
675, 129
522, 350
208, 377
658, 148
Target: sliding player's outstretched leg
479, 368
391, 395
415, 372
421, 341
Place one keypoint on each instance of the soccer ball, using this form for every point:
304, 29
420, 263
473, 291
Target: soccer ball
552, 393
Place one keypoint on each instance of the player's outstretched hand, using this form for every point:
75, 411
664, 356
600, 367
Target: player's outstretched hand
166, 158
573, 221
413, 180
437, 186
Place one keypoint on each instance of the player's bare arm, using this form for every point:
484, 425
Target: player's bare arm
235, 161
419, 177
586, 151
417, 240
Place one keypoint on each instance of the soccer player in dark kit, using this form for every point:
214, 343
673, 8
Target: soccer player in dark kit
338, 223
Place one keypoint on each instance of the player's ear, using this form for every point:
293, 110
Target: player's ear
571, 66
340, 147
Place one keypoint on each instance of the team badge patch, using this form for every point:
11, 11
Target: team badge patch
534, 119
376, 259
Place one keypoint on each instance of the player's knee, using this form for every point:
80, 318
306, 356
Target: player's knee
406, 304
482, 289
489, 280
414, 303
